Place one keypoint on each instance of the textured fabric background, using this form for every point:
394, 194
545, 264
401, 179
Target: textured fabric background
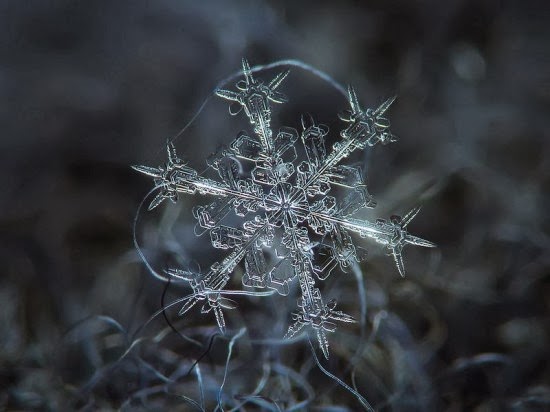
88, 88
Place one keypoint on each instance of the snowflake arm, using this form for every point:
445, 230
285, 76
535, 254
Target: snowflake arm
254, 98
176, 177
391, 234
313, 312
366, 128
209, 287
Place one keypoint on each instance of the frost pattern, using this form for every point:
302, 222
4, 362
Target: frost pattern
286, 206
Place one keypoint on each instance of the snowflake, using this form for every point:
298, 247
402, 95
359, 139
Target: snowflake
287, 207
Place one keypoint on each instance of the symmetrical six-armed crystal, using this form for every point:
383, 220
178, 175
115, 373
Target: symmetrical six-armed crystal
288, 208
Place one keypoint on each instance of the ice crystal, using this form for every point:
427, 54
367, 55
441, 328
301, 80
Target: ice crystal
285, 206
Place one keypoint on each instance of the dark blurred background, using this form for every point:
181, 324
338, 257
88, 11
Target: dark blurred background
88, 88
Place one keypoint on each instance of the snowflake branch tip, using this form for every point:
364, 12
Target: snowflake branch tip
149, 171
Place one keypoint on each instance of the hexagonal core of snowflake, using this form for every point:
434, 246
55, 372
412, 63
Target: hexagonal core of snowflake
279, 195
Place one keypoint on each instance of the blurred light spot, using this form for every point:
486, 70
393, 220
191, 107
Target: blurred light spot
522, 332
467, 62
